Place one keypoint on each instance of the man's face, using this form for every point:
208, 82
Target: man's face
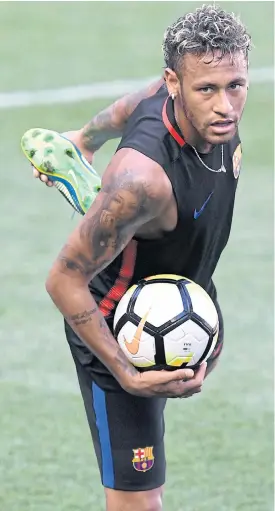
120, 207
212, 94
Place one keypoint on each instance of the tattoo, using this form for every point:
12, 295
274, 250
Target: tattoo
122, 203
80, 264
105, 329
124, 363
100, 129
110, 122
107, 232
81, 318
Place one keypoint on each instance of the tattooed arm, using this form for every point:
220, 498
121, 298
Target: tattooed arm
135, 190
106, 125
110, 122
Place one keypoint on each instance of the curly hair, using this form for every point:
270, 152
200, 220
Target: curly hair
206, 30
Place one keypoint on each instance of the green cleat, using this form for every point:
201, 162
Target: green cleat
58, 158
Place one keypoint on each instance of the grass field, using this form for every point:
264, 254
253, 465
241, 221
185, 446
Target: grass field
219, 444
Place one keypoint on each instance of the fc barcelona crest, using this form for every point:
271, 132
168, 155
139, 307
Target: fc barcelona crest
143, 459
237, 161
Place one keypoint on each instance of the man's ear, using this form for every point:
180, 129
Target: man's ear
172, 82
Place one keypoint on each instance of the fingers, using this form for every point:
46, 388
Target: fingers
178, 383
45, 180
178, 375
42, 177
35, 172
195, 384
184, 382
200, 373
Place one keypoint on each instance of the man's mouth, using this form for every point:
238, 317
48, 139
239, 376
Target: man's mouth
223, 127
222, 123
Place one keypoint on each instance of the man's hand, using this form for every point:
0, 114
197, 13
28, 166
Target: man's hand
42, 177
181, 383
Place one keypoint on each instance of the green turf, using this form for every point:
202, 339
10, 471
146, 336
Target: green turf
51, 43
219, 444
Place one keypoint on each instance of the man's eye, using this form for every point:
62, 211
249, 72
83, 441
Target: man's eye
206, 89
235, 86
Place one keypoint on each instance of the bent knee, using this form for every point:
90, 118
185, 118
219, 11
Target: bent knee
150, 500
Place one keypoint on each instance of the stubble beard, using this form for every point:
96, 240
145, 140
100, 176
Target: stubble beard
198, 138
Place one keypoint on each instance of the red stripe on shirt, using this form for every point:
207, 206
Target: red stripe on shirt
123, 280
169, 126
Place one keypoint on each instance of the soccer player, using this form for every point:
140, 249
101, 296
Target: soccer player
165, 206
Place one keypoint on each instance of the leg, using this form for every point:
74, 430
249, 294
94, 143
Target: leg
128, 436
150, 500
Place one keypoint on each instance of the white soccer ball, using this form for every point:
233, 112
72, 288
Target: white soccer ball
166, 322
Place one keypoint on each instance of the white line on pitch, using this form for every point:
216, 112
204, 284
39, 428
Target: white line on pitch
100, 90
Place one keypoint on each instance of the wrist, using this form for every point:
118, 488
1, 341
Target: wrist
130, 385
78, 140
87, 152
125, 373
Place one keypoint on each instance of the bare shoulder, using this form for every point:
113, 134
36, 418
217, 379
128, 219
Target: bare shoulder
134, 191
135, 171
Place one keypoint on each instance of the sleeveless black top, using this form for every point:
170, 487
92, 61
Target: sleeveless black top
205, 202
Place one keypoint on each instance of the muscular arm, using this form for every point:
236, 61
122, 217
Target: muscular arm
134, 191
110, 122
106, 125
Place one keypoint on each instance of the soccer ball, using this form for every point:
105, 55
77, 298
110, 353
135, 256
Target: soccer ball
166, 322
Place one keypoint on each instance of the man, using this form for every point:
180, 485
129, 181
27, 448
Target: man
165, 206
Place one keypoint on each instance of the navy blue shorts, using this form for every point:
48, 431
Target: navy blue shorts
127, 431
